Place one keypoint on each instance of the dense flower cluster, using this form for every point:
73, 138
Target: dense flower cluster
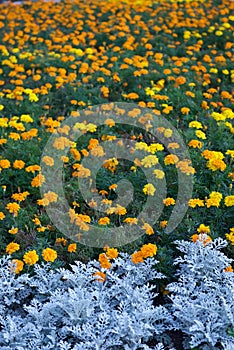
58, 59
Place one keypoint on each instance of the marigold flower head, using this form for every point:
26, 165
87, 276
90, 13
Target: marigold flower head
201, 237
104, 221
18, 266
18, 164
31, 257
216, 164
149, 250
131, 221
229, 201
13, 208
104, 262
101, 276
171, 159
203, 229
112, 253
169, 201
196, 202
12, 248
72, 248
49, 254
149, 189
2, 215
148, 229
137, 257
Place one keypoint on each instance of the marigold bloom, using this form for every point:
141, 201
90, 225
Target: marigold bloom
104, 262
18, 266
196, 202
195, 144
2, 215
148, 229
214, 199
101, 276
48, 160
169, 201
230, 235
149, 250
131, 221
49, 254
137, 257
12, 248
201, 237
171, 159
72, 248
31, 257
104, 221
203, 229
149, 189
18, 164
13, 208
4, 164
112, 253
216, 164
229, 201
149, 161
38, 180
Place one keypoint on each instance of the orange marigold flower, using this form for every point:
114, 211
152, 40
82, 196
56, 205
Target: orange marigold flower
12, 248
38, 180
101, 276
104, 221
216, 164
131, 221
18, 164
149, 250
112, 253
171, 159
72, 248
137, 257
104, 262
148, 229
18, 266
2, 215
13, 208
169, 201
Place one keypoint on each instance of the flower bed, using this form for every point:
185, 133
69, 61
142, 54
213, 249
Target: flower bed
116, 137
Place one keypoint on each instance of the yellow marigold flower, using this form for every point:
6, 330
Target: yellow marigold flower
229, 201
155, 147
12, 248
20, 196
104, 262
26, 118
33, 168
131, 221
163, 223
18, 164
185, 110
112, 253
4, 164
203, 229
214, 199
104, 221
137, 257
101, 276
212, 154
195, 124
119, 210
200, 134
2, 215
195, 144
111, 164
171, 159
196, 202
18, 266
49, 255
149, 189
13, 208
38, 180
230, 235
13, 230
159, 174
149, 161
72, 248
169, 201
51, 197
230, 152
216, 164
149, 250
3, 141
31, 257
48, 160
148, 229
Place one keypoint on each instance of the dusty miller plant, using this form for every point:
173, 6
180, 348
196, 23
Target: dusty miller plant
203, 297
70, 309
